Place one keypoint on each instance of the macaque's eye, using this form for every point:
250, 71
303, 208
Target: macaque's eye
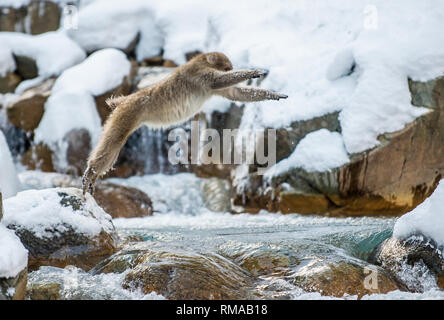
227, 68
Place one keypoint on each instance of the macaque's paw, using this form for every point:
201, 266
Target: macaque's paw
277, 96
89, 180
259, 73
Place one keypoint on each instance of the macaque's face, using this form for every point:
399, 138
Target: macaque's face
219, 61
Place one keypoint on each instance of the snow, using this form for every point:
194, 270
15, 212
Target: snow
426, 219
40, 210
7, 63
72, 105
320, 150
117, 23
102, 71
9, 183
13, 255
52, 51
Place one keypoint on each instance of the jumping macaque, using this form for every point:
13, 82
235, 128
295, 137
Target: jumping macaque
171, 101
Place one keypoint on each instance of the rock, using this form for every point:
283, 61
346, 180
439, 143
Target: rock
9, 82
401, 256
26, 67
260, 259
61, 227
14, 288
27, 111
79, 147
340, 278
39, 157
366, 185
35, 18
118, 201
43, 291
189, 276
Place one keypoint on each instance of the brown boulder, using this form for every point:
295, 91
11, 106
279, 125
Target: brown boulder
43, 291
38, 157
27, 111
14, 288
9, 82
340, 278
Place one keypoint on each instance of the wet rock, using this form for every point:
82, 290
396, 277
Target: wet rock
343, 278
43, 291
366, 185
9, 82
26, 67
260, 259
177, 275
27, 111
14, 288
70, 229
409, 259
35, 18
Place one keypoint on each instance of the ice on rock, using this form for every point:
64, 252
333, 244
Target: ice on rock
426, 219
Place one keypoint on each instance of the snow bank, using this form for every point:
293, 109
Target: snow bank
40, 210
71, 104
7, 63
13, 255
9, 183
426, 219
102, 71
317, 151
347, 56
52, 51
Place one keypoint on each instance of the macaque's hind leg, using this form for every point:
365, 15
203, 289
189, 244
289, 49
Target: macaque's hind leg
117, 129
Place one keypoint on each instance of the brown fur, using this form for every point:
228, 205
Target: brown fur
171, 101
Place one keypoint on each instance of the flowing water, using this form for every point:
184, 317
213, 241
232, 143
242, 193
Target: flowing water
182, 223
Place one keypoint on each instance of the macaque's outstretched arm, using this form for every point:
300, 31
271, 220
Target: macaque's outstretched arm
248, 94
114, 135
231, 78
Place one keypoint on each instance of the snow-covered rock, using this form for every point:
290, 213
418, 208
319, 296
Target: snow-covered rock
72, 106
9, 183
52, 52
60, 227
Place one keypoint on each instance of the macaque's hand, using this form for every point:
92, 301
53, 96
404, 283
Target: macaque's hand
276, 96
259, 73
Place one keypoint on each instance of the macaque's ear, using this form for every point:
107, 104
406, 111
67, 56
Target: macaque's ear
212, 58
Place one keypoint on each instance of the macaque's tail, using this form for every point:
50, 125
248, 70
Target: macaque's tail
113, 102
